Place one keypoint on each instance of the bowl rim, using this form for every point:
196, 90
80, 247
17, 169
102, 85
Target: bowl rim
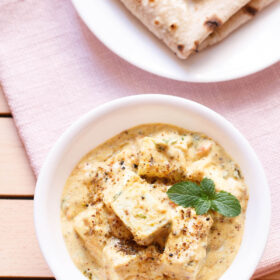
74, 129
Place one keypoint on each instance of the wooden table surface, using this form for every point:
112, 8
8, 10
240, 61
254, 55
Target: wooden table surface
20, 256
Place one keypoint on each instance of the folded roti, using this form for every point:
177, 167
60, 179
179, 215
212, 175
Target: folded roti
241, 17
184, 24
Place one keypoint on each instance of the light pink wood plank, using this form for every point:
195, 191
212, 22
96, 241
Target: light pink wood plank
19, 254
4, 109
16, 176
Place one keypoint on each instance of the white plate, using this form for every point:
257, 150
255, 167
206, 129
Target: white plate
252, 48
110, 119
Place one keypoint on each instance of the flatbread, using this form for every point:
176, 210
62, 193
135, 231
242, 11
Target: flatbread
184, 24
241, 17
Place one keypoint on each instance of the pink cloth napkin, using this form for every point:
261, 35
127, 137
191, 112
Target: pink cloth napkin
53, 70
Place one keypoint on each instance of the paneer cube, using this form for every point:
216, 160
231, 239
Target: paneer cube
92, 227
124, 160
160, 159
115, 186
118, 229
142, 214
185, 248
125, 261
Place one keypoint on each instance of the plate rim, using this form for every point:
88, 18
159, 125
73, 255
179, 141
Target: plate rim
238, 75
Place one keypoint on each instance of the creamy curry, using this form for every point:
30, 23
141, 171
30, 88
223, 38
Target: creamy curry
119, 224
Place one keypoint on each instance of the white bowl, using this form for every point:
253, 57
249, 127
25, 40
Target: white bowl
110, 119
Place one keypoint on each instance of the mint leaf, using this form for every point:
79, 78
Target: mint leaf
185, 194
203, 197
226, 204
202, 206
208, 187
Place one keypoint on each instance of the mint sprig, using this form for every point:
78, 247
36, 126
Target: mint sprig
203, 198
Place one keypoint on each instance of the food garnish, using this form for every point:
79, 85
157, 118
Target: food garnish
203, 197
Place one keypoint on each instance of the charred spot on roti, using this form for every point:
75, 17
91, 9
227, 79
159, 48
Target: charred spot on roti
196, 46
250, 10
173, 26
156, 22
213, 23
180, 47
